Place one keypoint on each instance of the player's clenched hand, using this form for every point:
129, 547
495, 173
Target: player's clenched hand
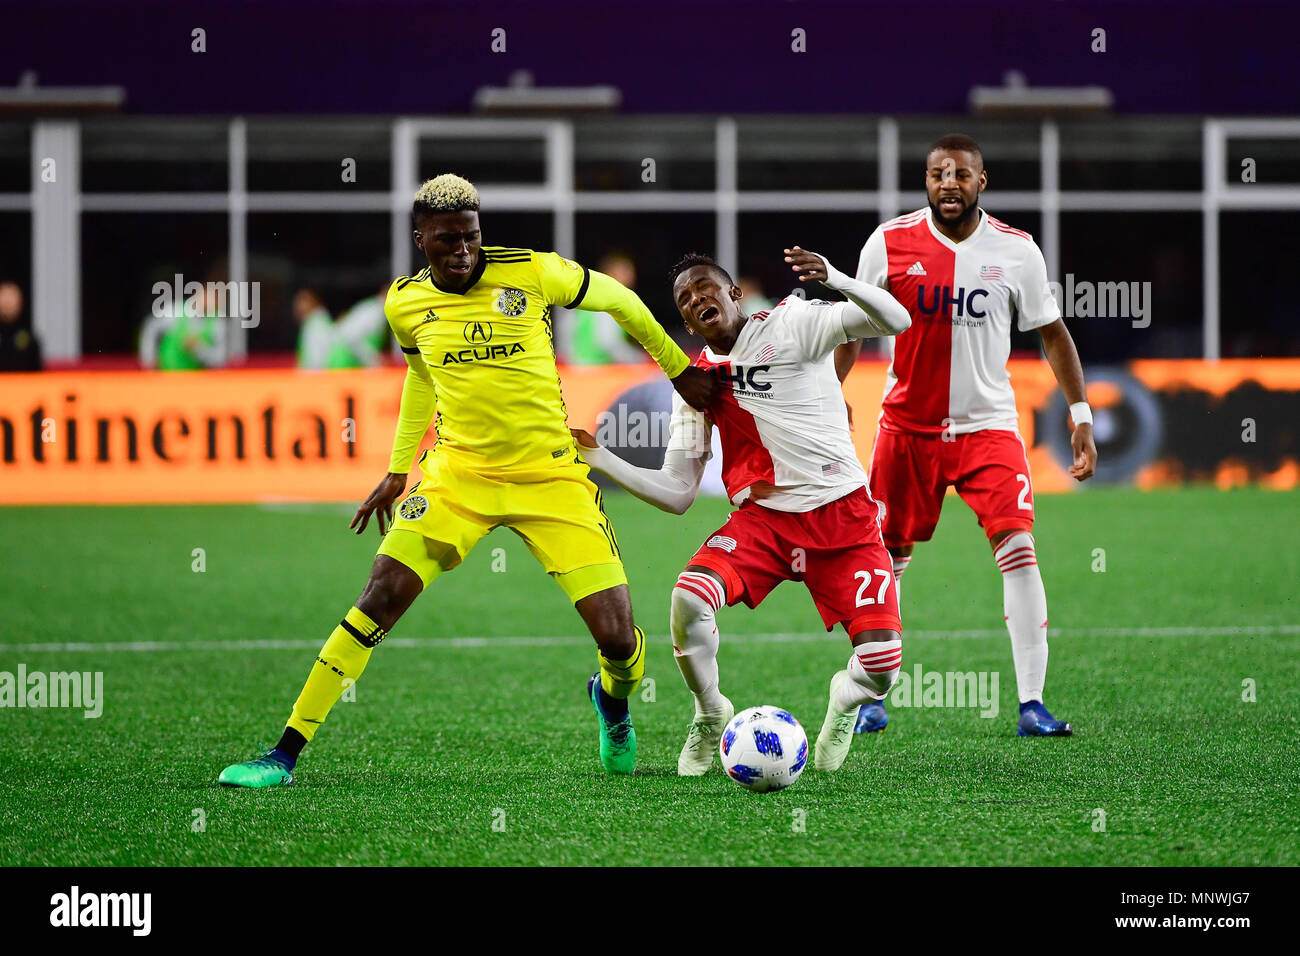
809, 265
584, 438
380, 503
1085, 453
697, 387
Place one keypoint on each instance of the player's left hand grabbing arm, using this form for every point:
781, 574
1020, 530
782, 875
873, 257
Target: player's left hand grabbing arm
1061, 354
872, 311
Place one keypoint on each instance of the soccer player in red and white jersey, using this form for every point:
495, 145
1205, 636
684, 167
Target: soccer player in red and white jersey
949, 414
788, 463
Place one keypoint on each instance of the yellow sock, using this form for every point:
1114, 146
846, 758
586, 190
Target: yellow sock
619, 678
343, 658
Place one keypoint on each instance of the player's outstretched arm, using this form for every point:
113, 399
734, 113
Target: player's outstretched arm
1061, 354
876, 312
604, 294
671, 488
418, 404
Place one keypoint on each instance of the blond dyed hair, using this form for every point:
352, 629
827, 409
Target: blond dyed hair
445, 193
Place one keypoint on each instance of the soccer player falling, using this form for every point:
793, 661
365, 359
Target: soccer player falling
788, 462
475, 326
949, 414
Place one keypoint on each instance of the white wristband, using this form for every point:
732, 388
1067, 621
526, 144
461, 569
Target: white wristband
1081, 414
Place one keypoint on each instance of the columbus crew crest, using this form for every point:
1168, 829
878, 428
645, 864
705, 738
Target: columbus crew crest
413, 507
511, 302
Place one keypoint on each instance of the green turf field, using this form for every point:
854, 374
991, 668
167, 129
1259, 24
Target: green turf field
449, 734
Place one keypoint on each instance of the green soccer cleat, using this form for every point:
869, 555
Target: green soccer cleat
617, 738
260, 773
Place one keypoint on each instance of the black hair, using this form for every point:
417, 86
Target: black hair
693, 259
956, 143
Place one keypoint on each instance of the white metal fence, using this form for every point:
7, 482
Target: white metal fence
55, 212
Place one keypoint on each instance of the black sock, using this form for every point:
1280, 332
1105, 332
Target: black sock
614, 708
291, 743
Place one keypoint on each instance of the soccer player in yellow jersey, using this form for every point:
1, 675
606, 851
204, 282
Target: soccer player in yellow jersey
475, 326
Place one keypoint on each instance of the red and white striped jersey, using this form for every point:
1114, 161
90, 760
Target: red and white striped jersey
781, 416
949, 370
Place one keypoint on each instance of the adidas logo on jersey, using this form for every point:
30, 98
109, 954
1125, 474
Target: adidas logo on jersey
723, 542
430, 316
916, 269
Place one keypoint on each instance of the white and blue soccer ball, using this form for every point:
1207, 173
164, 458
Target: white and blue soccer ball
764, 748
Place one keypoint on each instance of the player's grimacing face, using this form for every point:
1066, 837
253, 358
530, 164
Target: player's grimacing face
451, 242
706, 303
953, 182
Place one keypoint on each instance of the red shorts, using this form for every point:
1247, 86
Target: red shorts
835, 550
910, 474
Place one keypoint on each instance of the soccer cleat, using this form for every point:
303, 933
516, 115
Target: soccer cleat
702, 739
871, 718
1035, 721
617, 738
263, 772
837, 732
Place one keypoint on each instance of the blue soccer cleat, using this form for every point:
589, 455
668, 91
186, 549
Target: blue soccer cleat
871, 718
1035, 721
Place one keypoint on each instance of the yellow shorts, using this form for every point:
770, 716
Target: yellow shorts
556, 510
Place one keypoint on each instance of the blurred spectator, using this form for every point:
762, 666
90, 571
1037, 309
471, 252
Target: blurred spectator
19, 349
752, 298
319, 343
594, 338
191, 337
363, 329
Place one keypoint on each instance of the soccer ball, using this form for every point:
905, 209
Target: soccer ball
764, 748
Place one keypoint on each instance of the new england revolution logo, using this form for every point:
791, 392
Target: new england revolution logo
511, 302
413, 507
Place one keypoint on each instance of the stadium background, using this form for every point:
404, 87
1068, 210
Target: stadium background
227, 163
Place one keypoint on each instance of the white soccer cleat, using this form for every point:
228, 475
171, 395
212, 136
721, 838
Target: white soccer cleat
702, 740
837, 732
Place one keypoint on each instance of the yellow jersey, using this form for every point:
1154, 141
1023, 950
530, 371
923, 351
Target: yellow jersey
489, 353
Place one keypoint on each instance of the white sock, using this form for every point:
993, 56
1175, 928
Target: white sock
696, 599
900, 565
873, 668
1024, 602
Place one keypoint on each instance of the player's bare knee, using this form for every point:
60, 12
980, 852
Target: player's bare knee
610, 624
391, 589
875, 636
615, 641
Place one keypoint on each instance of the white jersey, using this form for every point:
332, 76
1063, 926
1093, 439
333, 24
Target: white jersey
948, 372
781, 417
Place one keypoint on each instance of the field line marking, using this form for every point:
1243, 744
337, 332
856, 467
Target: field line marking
275, 644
